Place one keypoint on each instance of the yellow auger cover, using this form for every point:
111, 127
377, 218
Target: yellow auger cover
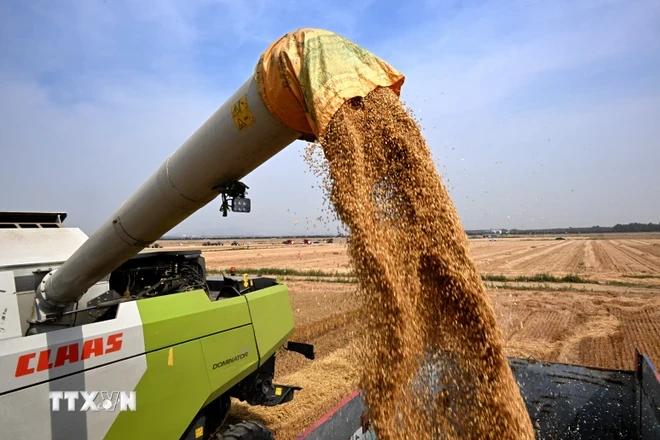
305, 76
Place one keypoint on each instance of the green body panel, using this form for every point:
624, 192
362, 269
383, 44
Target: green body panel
180, 380
172, 319
272, 318
186, 335
167, 396
230, 357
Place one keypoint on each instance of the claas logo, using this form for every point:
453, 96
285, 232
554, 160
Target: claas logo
67, 354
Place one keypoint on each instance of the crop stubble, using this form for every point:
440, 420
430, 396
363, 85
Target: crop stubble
551, 326
595, 259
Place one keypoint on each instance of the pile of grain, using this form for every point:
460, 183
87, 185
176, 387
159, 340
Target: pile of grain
324, 382
432, 361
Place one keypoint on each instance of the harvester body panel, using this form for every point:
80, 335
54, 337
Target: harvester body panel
272, 317
155, 348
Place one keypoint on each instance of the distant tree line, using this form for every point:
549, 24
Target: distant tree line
637, 227
630, 227
253, 237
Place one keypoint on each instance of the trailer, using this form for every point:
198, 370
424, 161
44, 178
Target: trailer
564, 402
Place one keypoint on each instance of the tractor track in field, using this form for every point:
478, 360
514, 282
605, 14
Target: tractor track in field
604, 259
628, 259
590, 262
503, 261
646, 247
645, 259
537, 260
569, 260
593, 329
485, 253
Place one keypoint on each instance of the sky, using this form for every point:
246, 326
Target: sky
538, 113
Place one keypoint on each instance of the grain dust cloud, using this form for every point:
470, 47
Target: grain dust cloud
433, 365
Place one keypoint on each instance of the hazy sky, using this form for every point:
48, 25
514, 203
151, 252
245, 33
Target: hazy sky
539, 113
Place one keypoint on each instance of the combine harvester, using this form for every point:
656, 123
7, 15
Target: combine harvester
100, 339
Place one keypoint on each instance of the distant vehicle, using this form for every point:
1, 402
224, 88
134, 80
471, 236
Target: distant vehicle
235, 243
560, 238
329, 240
156, 246
289, 242
306, 241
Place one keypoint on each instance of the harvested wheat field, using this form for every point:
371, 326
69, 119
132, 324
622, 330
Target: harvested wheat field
326, 257
635, 258
596, 259
600, 328
587, 300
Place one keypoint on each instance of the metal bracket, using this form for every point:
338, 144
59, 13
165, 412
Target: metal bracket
280, 394
234, 191
306, 350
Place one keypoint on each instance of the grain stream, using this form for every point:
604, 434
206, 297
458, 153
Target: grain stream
432, 361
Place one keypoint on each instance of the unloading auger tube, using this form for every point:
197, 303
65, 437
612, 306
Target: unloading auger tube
299, 83
217, 154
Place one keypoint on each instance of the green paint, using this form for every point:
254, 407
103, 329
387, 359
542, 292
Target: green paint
272, 318
172, 319
230, 357
185, 336
168, 397
170, 394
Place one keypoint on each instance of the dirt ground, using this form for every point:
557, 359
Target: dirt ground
598, 322
600, 329
327, 257
597, 258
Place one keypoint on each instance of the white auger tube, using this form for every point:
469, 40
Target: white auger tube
240, 136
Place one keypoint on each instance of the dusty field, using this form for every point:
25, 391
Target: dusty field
599, 321
326, 257
591, 258
598, 258
599, 329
